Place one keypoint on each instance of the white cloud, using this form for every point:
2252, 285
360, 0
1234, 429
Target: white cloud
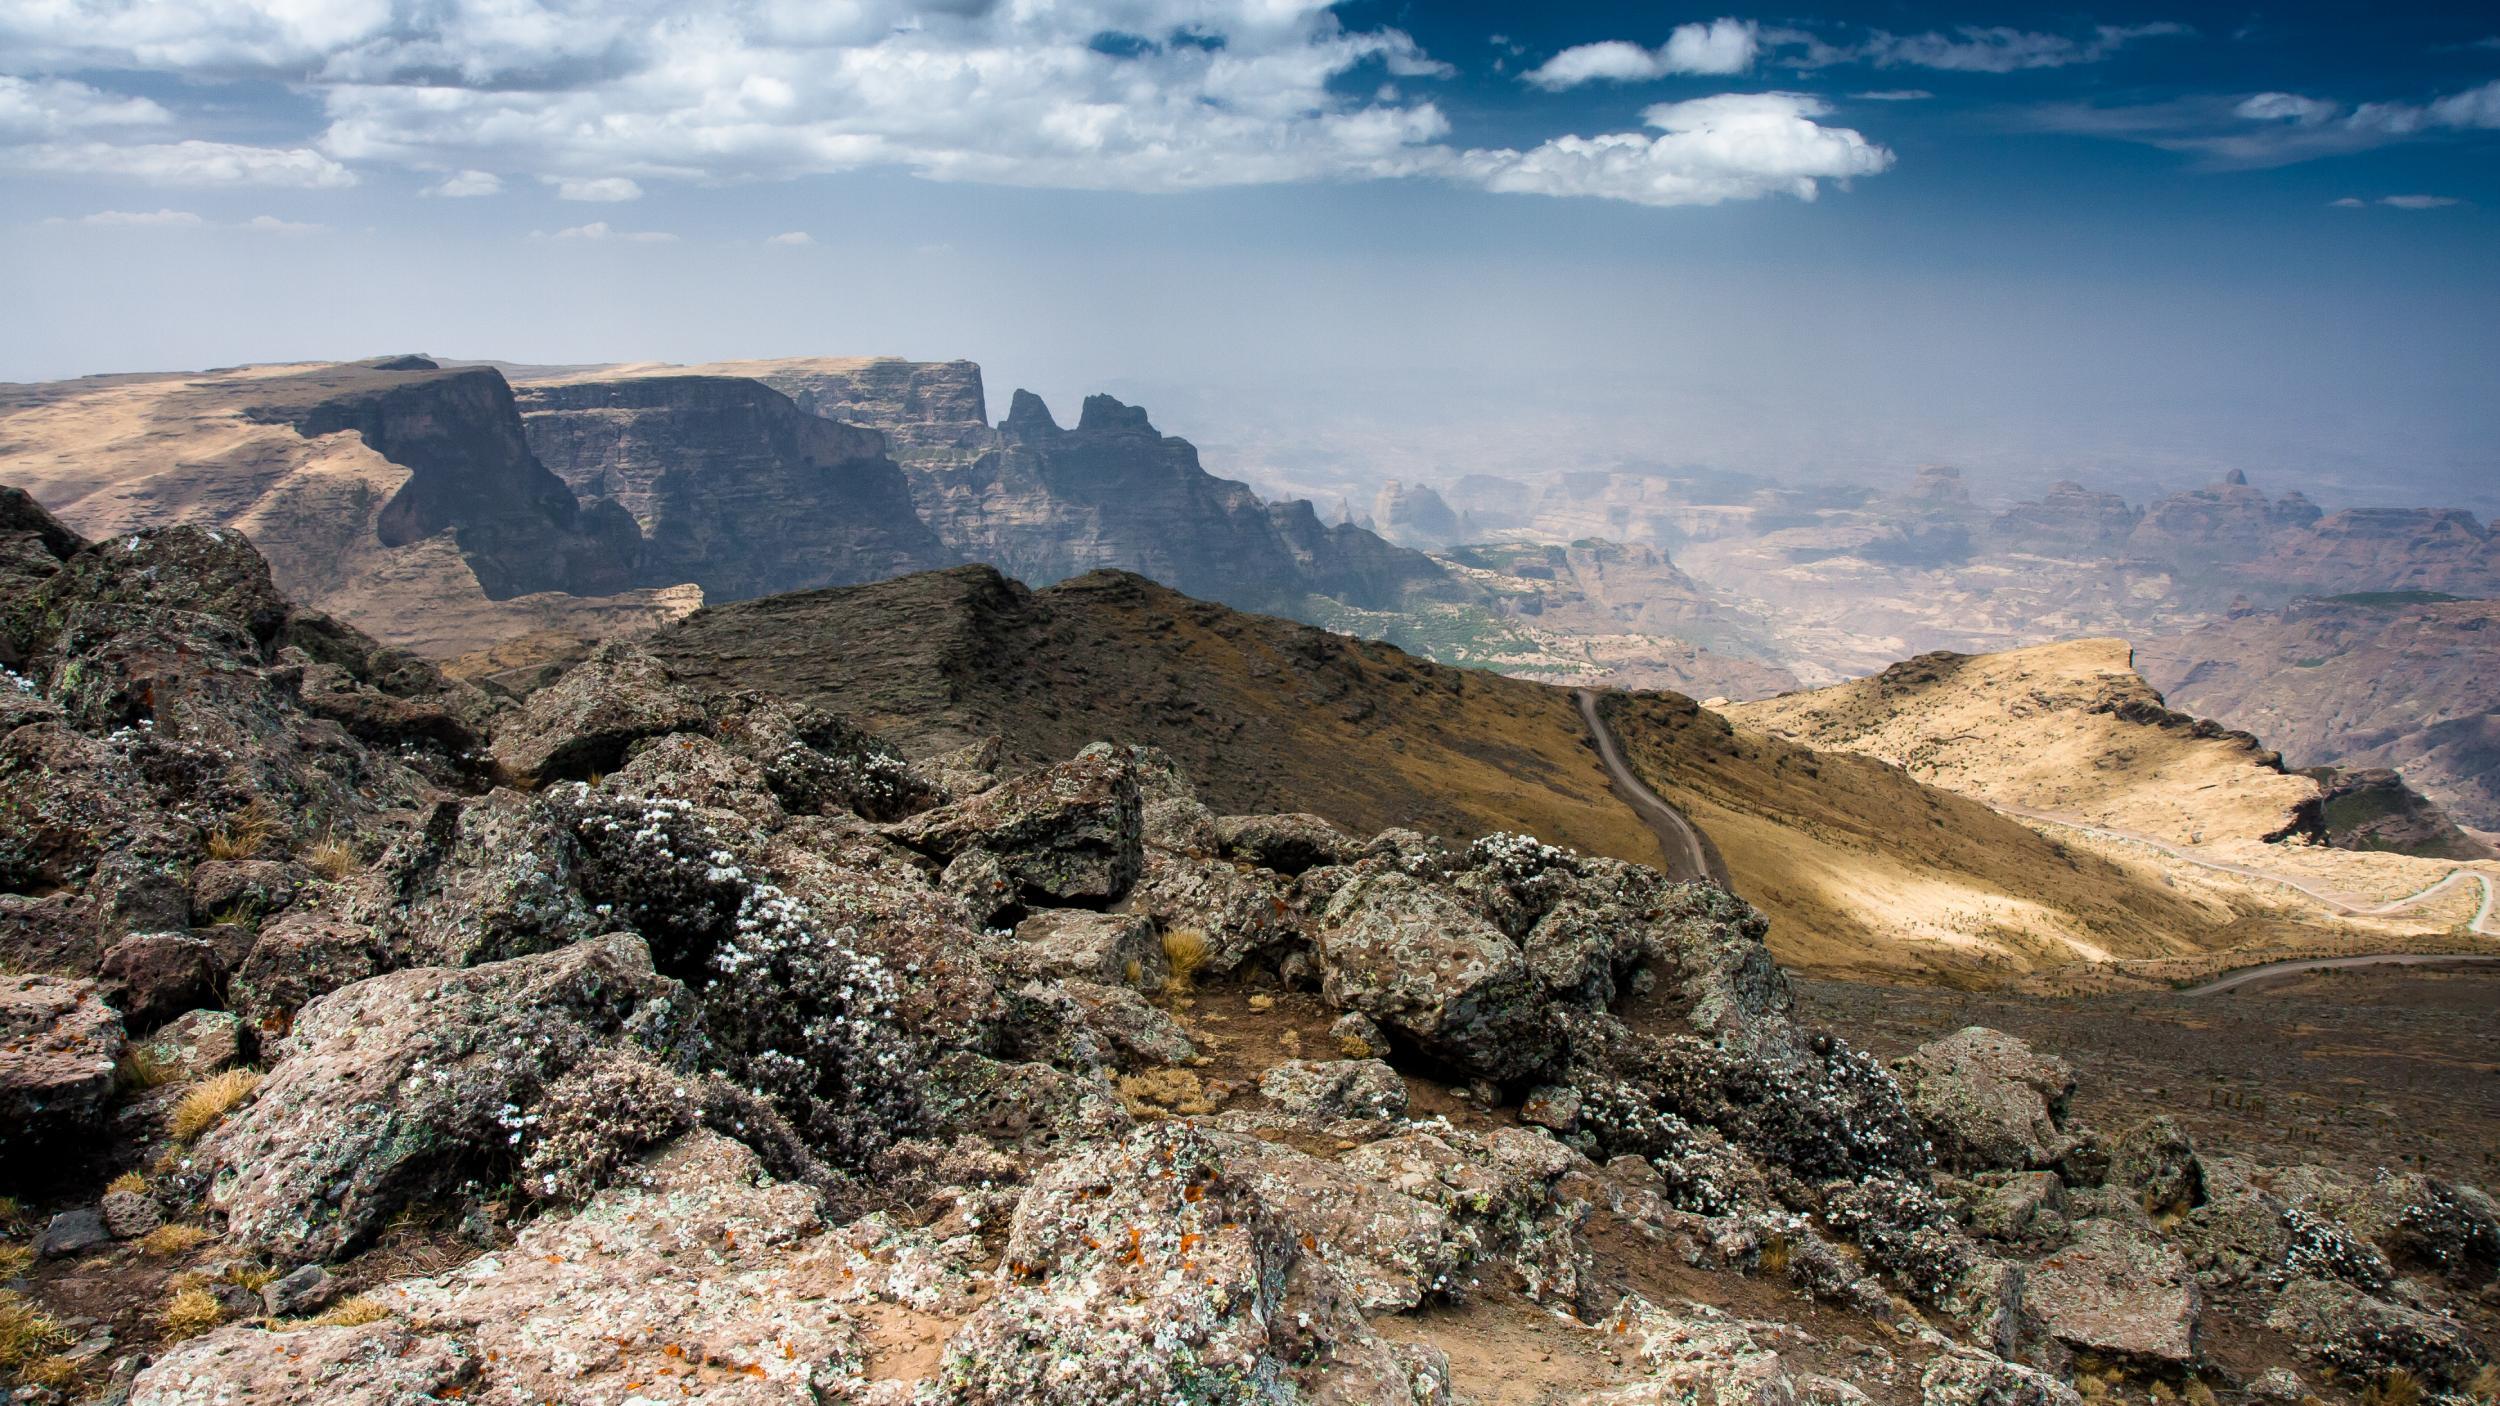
271, 224
461, 185
37, 109
158, 219
1736, 146
600, 230
1969, 49
1894, 95
1720, 47
188, 163
2286, 107
599, 189
2419, 202
797, 239
2350, 202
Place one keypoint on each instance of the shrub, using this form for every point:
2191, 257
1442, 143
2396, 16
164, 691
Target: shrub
353, 1313
2398, 1388
245, 834
127, 1181
142, 1068
28, 1335
207, 1102
1186, 950
190, 1313
331, 857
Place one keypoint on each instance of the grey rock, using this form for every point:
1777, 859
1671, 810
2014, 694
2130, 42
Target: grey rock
157, 976
59, 1043
1063, 836
1965, 1376
584, 722
199, 1044
129, 1213
382, 1363
2117, 1292
1988, 1101
2157, 1161
301, 1290
1288, 844
1336, 1088
73, 1231
298, 958
1109, 948
1433, 973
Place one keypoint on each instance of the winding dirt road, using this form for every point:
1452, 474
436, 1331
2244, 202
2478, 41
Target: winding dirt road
2480, 926
1687, 861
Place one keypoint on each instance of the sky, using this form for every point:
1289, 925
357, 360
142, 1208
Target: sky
2135, 245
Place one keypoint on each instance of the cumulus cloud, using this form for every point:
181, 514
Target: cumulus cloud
36, 109
186, 163
796, 239
1736, 146
1720, 47
2285, 107
1969, 49
599, 230
464, 185
596, 189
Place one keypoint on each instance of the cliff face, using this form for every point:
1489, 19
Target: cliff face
1413, 515
2070, 517
736, 488
470, 471
2407, 682
2386, 549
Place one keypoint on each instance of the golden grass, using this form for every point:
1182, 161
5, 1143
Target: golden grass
245, 834
2398, 1388
352, 1313
12, 1214
127, 1181
166, 1241
16, 1260
27, 1333
1186, 950
254, 1277
190, 1313
56, 1371
207, 1102
143, 1068
1160, 1091
331, 857
2485, 1388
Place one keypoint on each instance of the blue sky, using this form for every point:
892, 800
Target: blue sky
2137, 245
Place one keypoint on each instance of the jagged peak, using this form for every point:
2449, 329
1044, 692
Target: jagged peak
2237, 478
1027, 415
1104, 412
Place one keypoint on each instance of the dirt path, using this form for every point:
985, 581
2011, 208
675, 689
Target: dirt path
2480, 926
1687, 861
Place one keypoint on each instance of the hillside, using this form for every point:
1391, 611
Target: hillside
1268, 715
2406, 680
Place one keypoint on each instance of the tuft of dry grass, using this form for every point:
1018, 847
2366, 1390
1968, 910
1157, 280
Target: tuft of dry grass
254, 1277
166, 1241
190, 1313
12, 1214
142, 1068
2485, 1388
2196, 1393
207, 1102
331, 857
56, 1372
28, 1335
15, 1260
245, 834
127, 1181
1186, 950
352, 1313
2398, 1388
1775, 1255
1160, 1091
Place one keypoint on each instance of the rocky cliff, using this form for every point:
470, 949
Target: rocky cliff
734, 487
2406, 681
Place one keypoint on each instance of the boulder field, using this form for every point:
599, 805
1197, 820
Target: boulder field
367, 1039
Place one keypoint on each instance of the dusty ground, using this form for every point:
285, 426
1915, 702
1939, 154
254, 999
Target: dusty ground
2359, 1069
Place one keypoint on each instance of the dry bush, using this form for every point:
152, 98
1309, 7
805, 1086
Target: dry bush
127, 1181
190, 1313
245, 834
352, 1313
28, 1335
207, 1102
331, 857
254, 1277
15, 1260
1158, 1091
2398, 1388
167, 1241
1186, 949
2485, 1388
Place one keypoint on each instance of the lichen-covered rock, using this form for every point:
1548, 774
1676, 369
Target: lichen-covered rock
1288, 844
1434, 974
487, 878
298, 958
1699, 1358
2016, 1206
688, 767
382, 1363
2361, 1333
2423, 1222
1394, 1251
129, 1213
1988, 1101
199, 1044
1966, 1376
59, 1043
2117, 1292
583, 723
819, 763
2156, 1160
229, 889
1138, 1032
1066, 835
1331, 1089
159, 975
398, 1086
680, 1273
1145, 1270
1506, 1191
1110, 948
2240, 1234
1244, 913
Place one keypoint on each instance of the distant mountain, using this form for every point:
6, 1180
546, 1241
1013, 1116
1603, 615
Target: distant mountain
2407, 680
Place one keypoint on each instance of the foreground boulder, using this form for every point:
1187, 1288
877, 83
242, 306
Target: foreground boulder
2118, 1293
586, 720
1988, 1101
1065, 836
59, 1042
394, 1087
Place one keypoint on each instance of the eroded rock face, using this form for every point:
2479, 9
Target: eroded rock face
59, 1041
1435, 975
398, 1086
2119, 1293
382, 1362
584, 722
1066, 835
